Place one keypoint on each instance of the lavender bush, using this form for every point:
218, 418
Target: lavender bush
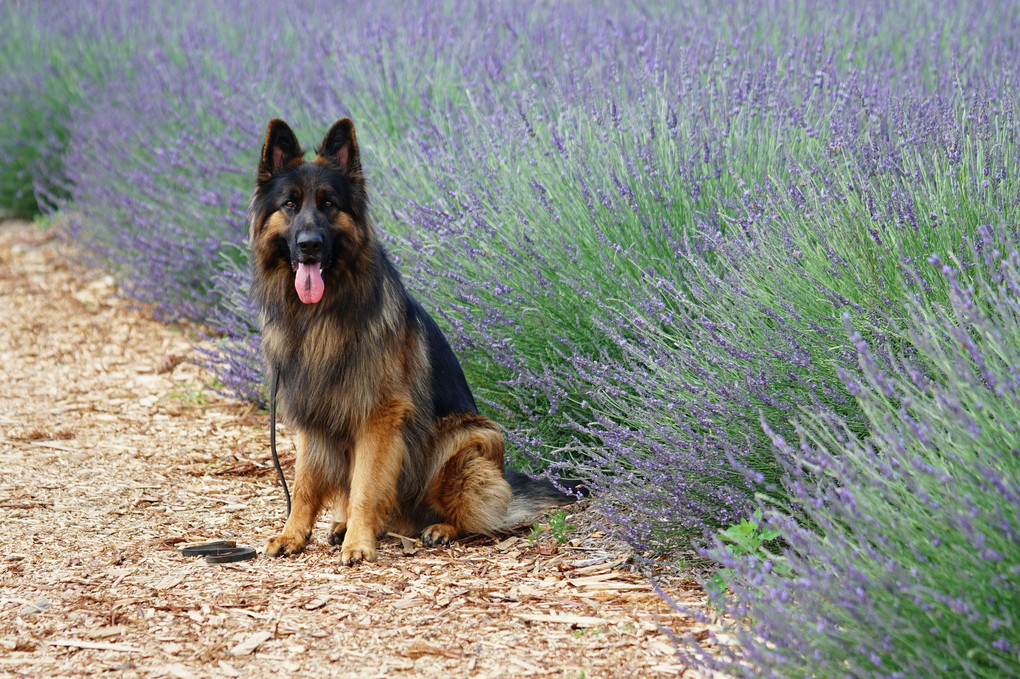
47, 52
903, 546
659, 278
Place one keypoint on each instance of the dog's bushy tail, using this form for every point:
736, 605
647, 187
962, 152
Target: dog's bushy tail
534, 496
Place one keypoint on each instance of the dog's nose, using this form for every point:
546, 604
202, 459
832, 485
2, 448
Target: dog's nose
309, 244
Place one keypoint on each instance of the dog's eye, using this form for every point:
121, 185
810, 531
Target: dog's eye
290, 205
328, 203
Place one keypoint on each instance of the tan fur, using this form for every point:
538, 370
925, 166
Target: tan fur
378, 456
308, 495
468, 487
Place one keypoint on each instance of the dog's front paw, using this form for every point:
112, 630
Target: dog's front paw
439, 534
353, 554
336, 533
285, 545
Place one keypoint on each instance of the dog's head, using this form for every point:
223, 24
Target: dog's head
308, 218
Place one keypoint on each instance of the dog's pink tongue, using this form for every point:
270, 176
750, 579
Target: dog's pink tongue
309, 283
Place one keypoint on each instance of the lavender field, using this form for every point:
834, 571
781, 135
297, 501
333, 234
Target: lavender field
710, 259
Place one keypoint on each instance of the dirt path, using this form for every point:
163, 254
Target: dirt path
114, 453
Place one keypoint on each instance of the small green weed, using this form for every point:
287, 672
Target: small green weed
557, 526
536, 530
747, 538
188, 395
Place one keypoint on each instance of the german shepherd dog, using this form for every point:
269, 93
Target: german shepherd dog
388, 434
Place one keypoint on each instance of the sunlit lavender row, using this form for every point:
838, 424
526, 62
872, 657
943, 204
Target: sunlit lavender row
902, 556
665, 242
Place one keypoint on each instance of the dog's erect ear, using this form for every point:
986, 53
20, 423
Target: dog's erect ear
281, 148
340, 148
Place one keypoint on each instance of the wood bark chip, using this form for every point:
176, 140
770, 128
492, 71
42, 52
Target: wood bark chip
97, 645
317, 603
249, 645
115, 453
419, 648
562, 618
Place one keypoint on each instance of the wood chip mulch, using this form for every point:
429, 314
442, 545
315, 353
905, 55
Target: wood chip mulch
115, 453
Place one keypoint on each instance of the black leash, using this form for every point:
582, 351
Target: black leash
222, 551
272, 433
